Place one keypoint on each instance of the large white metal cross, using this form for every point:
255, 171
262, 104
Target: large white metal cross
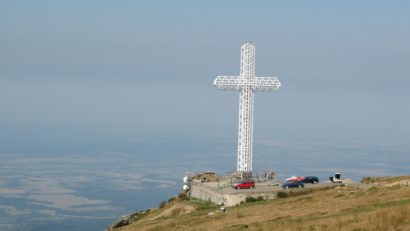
246, 83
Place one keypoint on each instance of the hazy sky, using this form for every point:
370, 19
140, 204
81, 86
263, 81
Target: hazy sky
145, 65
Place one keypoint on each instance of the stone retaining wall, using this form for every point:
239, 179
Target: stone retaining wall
206, 193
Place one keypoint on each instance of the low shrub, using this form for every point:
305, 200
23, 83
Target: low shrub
366, 180
282, 194
171, 199
250, 199
253, 199
183, 196
162, 204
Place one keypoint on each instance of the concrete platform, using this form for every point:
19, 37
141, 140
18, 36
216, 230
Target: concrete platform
224, 194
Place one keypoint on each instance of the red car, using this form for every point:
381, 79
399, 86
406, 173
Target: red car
244, 184
295, 178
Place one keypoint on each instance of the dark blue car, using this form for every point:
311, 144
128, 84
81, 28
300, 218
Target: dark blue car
293, 184
311, 179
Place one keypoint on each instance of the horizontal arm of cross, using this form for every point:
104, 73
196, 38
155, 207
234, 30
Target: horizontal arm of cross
227, 83
266, 84
237, 83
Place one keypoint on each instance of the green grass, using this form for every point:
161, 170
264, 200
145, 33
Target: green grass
333, 208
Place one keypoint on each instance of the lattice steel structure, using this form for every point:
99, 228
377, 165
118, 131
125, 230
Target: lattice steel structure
246, 83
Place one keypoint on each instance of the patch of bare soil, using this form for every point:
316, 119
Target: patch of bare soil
175, 209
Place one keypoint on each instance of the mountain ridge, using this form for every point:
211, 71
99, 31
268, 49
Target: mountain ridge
384, 205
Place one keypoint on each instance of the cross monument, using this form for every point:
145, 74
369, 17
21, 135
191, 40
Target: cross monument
246, 83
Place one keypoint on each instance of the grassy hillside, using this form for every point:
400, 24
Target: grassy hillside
385, 205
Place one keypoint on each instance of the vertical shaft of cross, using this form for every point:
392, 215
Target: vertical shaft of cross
245, 130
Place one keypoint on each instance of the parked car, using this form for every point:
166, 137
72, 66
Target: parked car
295, 178
311, 179
244, 184
337, 178
293, 184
